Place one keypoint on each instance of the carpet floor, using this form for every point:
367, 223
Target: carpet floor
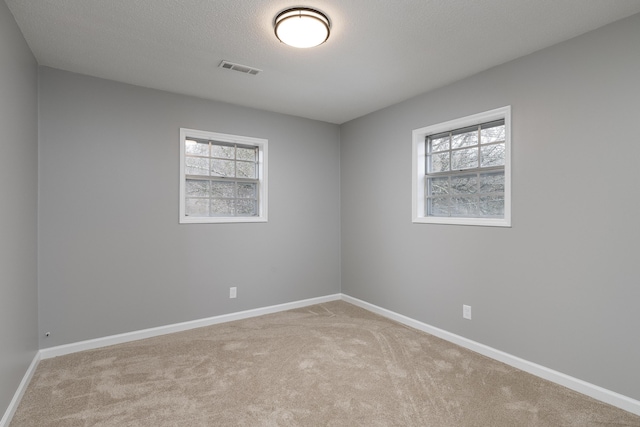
330, 364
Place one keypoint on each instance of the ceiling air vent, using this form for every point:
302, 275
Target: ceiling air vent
237, 67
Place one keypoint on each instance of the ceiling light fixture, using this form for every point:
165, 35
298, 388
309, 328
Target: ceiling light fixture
302, 27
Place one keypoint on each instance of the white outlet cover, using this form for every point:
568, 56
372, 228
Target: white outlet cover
466, 311
233, 292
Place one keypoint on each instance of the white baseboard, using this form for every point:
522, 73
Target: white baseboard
591, 390
13, 405
61, 350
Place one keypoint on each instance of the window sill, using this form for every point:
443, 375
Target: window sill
221, 220
486, 222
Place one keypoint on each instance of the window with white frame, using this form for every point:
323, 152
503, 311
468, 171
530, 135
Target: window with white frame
223, 178
462, 171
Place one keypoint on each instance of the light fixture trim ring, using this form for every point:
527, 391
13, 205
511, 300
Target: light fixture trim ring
306, 12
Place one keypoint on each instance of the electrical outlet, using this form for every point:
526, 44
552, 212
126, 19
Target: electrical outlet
466, 311
233, 292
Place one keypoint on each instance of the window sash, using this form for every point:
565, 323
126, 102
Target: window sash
482, 199
450, 150
236, 200
210, 157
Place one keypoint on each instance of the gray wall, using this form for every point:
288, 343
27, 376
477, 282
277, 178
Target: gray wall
113, 257
18, 206
561, 287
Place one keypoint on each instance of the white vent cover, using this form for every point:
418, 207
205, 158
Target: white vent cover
238, 67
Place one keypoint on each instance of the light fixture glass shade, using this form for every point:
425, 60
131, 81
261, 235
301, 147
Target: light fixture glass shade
302, 27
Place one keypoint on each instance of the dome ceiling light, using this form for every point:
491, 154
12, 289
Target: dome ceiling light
302, 27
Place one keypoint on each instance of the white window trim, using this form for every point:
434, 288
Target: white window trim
262, 145
418, 169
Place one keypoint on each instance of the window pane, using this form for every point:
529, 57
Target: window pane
492, 182
222, 189
248, 154
438, 206
196, 166
246, 207
494, 134
464, 206
221, 207
493, 155
197, 207
466, 184
222, 151
247, 190
197, 188
196, 148
223, 168
492, 206
465, 139
438, 186
438, 162
246, 170
464, 159
439, 144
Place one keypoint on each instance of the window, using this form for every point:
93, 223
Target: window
223, 178
462, 171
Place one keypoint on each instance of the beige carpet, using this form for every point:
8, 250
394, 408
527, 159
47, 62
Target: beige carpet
331, 364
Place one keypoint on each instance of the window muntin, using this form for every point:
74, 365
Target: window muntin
462, 171
223, 178
465, 172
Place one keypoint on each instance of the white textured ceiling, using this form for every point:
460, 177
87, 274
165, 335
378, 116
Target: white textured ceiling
379, 52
